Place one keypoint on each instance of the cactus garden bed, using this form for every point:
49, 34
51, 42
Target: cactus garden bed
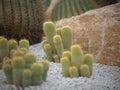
103, 78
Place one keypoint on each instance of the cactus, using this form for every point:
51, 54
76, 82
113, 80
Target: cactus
18, 53
76, 56
13, 44
27, 77
84, 70
24, 43
58, 45
37, 73
58, 30
12, 52
66, 37
18, 65
4, 48
48, 51
46, 65
24, 50
22, 19
67, 54
7, 68
88, 59
56, 58
30, 58
43, 43
73, 71
49, 30
65, 62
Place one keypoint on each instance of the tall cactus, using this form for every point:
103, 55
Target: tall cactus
49, 30
58, 45
76, 56
66, 37
22, 19
4, 48
18, 65
65, 62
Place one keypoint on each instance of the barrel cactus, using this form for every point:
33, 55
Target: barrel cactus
22, 19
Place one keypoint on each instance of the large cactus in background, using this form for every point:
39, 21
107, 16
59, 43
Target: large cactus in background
22, 19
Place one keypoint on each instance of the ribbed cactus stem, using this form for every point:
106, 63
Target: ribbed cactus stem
37, 73
65, 62
49, 30
73, 71
46, 65
58, 45
24, 43
58, 30
67, 54
48, 51
43, 43
24, 50
13, 44
27, 77
88, 59
66, 37
18, 53
30, 58
76, 56
84, 70
4, 48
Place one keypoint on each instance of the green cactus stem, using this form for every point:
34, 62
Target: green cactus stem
73, 71
24, 43
58, 30
43, 43
84, 70
30, 58
4, 48
49, 30
58, 45
7, 68
76, 56
67, 54
48, 51
65, 62
24, 50
37, 73
27, 77
46, 65
88, 59
13, 44
18, 53
66, 37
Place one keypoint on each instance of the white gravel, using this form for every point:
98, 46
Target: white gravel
104, 77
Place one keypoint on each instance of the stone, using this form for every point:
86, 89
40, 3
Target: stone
98, 32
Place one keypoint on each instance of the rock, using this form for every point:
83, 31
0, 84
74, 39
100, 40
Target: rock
98, 32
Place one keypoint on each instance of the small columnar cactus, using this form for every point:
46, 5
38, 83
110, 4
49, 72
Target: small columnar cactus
66, 37
37, 73
84, 70
48, 51
88, 59
67, 54
76, 56
58, 45
30, 58
18, 65
27, 77
73, 71
18, 53
58, 30
24, 43
56, 58
46, 65
4, 48
13, 44
49, 30
65, 62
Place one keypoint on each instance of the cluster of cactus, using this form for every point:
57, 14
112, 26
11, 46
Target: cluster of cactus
58, 40
21, 66
75, 63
